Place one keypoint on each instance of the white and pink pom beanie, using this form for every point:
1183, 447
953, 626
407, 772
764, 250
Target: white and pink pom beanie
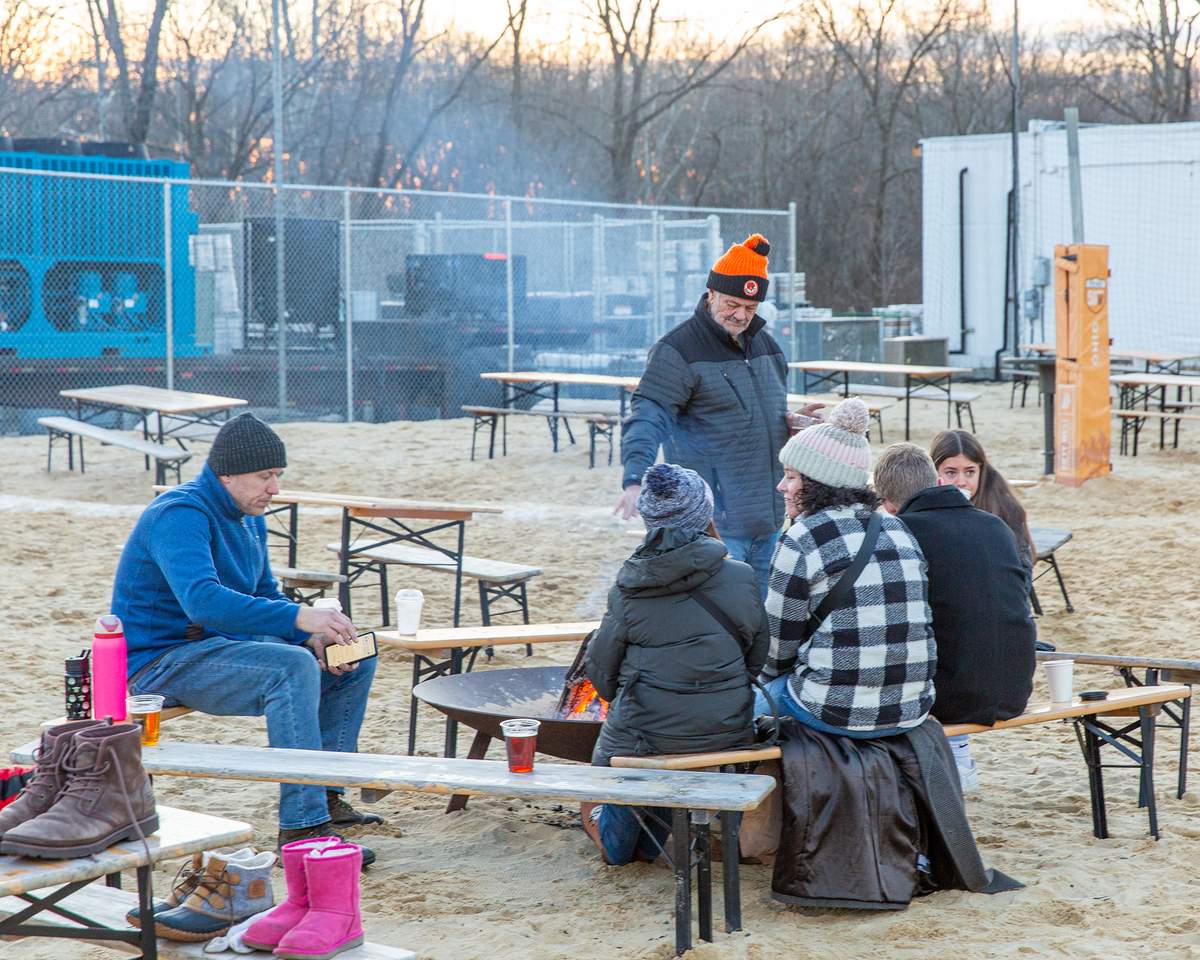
836, 452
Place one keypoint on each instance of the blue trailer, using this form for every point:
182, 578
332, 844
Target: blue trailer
83, 260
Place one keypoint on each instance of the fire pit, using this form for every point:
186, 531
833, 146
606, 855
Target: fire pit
482, 700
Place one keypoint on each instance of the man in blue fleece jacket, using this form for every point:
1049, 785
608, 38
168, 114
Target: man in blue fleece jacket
207, 626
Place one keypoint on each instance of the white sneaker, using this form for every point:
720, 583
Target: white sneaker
968, 776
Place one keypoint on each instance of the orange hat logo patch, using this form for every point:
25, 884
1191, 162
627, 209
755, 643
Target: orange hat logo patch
751, 288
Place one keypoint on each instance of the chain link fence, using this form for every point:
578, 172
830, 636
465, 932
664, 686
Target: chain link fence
394, 302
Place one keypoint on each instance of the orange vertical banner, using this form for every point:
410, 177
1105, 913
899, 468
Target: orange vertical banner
1083, 408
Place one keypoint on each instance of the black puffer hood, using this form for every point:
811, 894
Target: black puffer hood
671, 560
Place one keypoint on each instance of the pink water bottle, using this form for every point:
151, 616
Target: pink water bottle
108, 669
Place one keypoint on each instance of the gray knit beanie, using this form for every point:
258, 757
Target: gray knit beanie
675, 497
836, 452
246, 445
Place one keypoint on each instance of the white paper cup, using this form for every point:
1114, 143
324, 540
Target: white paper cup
1059, 675
328, 603
408, 611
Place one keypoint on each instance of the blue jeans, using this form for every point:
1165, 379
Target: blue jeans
306, 709
623, 836
756, 551
788, 707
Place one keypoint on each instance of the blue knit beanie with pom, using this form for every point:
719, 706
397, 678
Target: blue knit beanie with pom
674, 496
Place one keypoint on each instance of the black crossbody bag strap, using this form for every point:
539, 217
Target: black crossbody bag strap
835, 597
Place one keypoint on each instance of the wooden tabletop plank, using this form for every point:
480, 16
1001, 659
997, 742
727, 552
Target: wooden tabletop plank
134, 396
578, 379
919, 371
1118, 660
376, 506
502, 635
180, 833
1152, 356
559, 782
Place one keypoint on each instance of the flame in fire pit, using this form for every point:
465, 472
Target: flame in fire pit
581, 701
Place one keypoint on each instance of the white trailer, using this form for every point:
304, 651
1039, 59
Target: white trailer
1141, 196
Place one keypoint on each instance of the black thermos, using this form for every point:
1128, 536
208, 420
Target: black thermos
77, 680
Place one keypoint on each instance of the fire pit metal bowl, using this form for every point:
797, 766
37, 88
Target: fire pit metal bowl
482, 700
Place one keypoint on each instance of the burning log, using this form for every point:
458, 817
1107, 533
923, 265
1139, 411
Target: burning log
579, 700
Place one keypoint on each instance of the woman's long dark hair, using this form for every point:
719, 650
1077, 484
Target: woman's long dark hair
993, 493
815, 496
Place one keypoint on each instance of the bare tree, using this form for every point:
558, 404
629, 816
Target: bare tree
26, 30
137, 106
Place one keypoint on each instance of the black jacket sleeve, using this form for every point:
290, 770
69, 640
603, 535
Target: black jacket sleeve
662, 394
760, 643
606, 650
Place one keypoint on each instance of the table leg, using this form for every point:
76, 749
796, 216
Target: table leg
1147, 723
344, 566
681, 854
1048, 433
950, 400
731, 822
293, 532
479, 748
451, 746
908, 405
700, 823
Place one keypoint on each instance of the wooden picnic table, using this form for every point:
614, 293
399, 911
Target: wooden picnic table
180, 833
1161, 361
184, 409
388, 521
915, 376
1135, 388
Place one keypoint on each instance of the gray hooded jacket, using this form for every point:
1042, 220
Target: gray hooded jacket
676, 680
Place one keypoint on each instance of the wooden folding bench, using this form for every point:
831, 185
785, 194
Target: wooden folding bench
68, 428
1046, 542
497, 579
962, 399
601, 422
692, 797
305, 586
1086, 715
1132, 422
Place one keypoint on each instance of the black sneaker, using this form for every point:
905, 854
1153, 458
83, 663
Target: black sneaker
343, 815
322, 830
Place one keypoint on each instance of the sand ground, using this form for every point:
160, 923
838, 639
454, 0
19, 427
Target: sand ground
511, 880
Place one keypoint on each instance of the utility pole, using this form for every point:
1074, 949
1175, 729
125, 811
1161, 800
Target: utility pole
277, 151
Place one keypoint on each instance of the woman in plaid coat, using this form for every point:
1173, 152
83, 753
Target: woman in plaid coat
866, 670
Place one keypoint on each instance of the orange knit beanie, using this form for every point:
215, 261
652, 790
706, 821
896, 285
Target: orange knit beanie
742, 270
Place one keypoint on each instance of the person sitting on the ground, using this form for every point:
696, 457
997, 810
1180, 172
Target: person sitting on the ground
959, 459
981, 624
865, 668
207, 626
682, 638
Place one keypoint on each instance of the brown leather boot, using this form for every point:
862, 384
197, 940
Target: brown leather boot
49, 778
107, 799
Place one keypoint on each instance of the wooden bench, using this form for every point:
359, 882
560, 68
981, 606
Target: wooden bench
497, 579
601, 423
1046, 542
1022, 379
1093, 734
30, 887
962, 399
451, 650
1157, 670
692, 797
875, 410
1132, 421
305, 586
68, 428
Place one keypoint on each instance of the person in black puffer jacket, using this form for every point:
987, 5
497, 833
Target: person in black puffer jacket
677, 679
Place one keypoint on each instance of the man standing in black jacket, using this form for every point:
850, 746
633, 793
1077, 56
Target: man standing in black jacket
981, 623
714, 397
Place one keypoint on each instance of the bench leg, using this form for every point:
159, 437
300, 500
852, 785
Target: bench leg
681, 854
731, 879
1185, 725
149, 939
474, 434
1033, 598
971, 415
591, 446
1147, 723
82, 466
112, 881
1061, 585
413, 702
479, 748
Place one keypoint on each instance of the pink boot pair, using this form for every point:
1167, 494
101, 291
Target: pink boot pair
320, 917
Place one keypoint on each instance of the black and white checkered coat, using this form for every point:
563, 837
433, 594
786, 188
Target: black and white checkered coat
870, 665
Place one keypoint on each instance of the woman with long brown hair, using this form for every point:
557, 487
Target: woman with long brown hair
961, 461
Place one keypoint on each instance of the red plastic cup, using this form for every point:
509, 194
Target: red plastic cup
520, 740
